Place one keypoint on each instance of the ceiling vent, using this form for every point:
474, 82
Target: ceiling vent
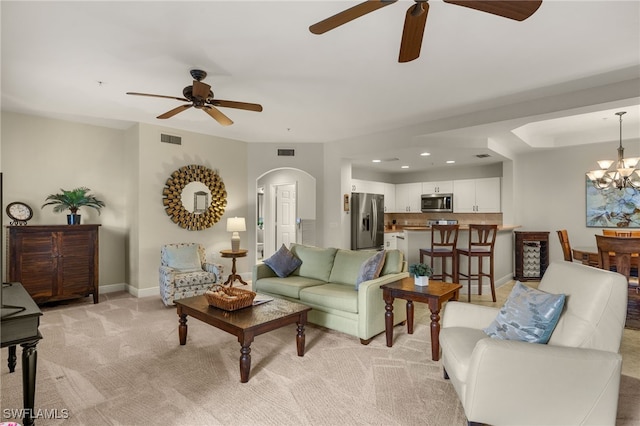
483, 156
176, 140
286, 152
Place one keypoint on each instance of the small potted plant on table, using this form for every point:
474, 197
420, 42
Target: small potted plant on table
72, 201
421, 273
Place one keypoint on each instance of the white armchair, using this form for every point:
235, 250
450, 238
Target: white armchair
185, 273
573, 379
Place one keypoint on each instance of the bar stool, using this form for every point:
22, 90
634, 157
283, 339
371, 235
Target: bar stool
443, 245
482, 239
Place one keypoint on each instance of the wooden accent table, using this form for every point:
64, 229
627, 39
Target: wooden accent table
245, 323
433, 295
233, 255
19, 324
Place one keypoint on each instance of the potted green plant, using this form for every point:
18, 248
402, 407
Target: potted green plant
421, 273
72, 201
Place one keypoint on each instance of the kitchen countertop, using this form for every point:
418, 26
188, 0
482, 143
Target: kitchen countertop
501, 228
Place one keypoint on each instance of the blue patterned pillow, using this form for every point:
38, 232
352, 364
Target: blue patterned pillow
370, 268
528, 314
283, 262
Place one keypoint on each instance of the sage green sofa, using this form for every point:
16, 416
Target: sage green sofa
326, 281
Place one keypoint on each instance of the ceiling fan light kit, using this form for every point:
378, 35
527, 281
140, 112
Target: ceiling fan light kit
416, 18
623, 175
200, 96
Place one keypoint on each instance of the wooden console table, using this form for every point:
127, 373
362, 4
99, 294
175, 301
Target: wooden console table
233, 255
19, 324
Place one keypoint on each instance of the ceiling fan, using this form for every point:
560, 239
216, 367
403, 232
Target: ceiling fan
416, 18
201, 97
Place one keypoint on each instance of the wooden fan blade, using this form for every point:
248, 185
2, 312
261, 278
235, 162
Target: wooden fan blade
217, 115
200, 90
348, 15
413, 31
158, 96
237, 105
174, 111
518, 10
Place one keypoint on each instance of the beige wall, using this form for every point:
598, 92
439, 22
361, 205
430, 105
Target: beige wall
128, 170
42, 155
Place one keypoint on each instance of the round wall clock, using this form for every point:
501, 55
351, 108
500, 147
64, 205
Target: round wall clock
19, 212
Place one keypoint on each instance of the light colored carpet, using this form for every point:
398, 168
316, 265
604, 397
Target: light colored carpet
120, 363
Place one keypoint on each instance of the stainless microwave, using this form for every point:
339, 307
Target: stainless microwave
436, 203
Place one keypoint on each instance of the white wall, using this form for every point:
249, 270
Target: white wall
549, 191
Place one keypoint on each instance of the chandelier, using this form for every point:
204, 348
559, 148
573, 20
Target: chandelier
624, 174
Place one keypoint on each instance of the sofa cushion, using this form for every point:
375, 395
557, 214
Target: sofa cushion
283, 262
370, 268
316, 262
392, 262
334, 296
289, 286
346, 265
183, 258
528, 314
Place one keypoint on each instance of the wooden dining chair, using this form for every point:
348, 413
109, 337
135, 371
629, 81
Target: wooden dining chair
617, 252
481, 243
566, 246
444, 239
620, 233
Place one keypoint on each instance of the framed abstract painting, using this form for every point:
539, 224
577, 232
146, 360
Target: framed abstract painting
612, 208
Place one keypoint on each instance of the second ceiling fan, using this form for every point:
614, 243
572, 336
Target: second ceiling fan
416, 18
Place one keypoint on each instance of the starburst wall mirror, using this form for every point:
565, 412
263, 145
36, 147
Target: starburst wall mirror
194, 197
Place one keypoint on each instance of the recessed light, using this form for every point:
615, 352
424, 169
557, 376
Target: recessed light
425, 154
450, 161
376, 161
404, 167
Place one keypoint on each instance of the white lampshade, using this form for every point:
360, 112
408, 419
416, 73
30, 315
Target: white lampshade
236, 224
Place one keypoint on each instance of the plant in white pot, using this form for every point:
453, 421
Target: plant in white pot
421, 273
72, 201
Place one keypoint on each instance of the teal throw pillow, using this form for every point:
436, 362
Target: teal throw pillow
529, 315
283, 262
183, 258
370, 268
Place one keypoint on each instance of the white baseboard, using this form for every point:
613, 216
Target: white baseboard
112, 288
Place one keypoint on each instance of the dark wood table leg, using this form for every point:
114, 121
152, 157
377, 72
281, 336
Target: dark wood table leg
410, 316
234, 277
12, 359
182, 328
434, 307
300, 338
388, 316
245, 357
29, 363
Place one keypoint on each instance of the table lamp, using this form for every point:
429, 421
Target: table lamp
235, 225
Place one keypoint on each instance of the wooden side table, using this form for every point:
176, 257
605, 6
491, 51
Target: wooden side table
233, 255
434, 294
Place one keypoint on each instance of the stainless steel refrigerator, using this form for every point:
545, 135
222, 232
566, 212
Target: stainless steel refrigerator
367, 221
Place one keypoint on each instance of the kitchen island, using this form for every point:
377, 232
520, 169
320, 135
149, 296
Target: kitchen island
417, 237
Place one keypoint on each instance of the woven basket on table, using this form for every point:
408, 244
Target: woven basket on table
229, 298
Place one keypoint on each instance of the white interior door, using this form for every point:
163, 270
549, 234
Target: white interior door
285, 215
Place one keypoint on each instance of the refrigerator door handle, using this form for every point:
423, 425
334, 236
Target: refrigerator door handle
374, 228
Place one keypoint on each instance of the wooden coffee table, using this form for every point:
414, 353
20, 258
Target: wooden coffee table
245, 323
434, 295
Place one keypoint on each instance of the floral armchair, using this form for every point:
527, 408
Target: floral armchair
185, 273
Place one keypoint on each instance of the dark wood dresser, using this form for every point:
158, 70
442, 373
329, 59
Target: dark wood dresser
54, 262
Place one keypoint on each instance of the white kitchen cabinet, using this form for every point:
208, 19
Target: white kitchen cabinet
408, 197
476, 195
389, 197
442, 187
366, 186
390, 240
